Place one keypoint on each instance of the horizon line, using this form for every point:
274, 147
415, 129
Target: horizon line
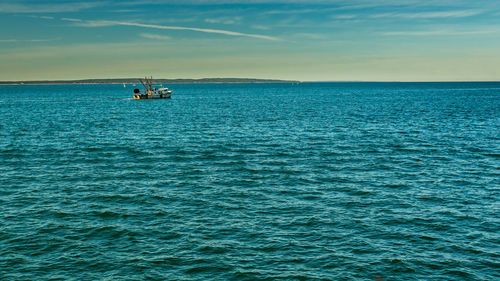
194, 80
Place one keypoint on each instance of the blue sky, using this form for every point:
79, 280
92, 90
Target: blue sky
314, 40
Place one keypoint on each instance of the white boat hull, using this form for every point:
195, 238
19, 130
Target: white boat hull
153, 96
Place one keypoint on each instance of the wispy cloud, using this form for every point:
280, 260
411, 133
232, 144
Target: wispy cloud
437, 32
125, 11
102, 23
430, 15
344, 17
47, 8
42, 17
314, 36
224, 20
26, 40
320, 10
219, 2
155, 36
260, 27
416, 15
71, 19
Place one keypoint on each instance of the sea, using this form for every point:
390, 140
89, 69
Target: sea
282, 181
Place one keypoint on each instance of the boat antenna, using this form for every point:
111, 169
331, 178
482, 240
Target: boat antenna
147, 83
143, 83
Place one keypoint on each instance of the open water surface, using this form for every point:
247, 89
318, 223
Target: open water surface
315, 181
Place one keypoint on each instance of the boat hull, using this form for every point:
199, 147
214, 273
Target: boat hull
152, 96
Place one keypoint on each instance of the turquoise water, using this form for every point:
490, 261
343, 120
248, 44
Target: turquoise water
316, 181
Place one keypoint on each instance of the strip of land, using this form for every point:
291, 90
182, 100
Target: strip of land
136, 81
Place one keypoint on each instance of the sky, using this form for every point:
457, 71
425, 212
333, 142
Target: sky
306, 40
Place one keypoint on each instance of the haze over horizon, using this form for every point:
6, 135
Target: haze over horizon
315, 40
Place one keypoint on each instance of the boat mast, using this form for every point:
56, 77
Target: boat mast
148, 84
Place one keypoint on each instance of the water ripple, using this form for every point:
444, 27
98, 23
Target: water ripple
324, 181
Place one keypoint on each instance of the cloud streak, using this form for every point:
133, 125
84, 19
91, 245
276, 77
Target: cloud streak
47, 8
25, 40
319, 10
155, 36
224, 20
71, 19
430, 15
437, 32
102, 23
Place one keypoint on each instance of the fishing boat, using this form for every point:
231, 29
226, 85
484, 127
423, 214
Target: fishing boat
151, 92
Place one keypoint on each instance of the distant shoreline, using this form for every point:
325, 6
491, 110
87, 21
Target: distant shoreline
203, 81
137, 82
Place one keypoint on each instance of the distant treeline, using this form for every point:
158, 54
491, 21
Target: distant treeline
136, 81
